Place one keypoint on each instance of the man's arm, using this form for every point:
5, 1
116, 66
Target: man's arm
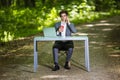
71, 27
57, 28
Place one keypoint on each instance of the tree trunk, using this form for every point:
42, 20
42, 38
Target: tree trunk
29, 3
5, 3
18, 3
33, 3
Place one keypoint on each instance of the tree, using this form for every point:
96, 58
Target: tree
5, 3
29, 3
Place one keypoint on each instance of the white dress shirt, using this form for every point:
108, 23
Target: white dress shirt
63, 34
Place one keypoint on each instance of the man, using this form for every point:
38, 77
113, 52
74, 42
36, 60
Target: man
63, 28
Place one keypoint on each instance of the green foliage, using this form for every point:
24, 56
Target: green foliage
18, 22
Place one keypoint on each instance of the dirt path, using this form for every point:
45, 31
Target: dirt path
16, 60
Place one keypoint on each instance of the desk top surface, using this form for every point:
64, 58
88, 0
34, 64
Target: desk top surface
42, 38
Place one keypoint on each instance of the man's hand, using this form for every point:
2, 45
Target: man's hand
67, 20
61, 29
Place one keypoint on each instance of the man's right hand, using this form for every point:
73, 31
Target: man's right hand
61, 28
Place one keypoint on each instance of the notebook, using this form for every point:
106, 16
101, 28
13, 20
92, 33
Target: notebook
49, 32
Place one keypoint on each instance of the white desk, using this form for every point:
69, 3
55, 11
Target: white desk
40, 38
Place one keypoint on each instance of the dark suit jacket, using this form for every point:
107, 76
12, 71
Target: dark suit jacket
67, 44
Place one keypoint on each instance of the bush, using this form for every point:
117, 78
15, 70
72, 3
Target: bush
22, 22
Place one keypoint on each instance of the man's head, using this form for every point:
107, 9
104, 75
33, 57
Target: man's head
63, 14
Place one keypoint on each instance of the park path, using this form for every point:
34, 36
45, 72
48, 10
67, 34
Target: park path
16, 59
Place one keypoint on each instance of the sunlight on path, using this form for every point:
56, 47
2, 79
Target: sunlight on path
16, 60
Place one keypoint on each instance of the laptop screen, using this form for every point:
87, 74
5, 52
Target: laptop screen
49, 32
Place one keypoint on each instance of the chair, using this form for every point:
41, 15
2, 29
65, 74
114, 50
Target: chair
50, 32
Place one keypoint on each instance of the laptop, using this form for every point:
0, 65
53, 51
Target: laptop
49, 32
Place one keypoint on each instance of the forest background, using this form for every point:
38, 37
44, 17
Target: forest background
23, 18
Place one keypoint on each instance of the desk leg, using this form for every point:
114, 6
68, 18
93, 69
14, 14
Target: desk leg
35, 56
87, 63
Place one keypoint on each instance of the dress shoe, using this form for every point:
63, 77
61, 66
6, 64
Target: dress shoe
67, 65
56, 68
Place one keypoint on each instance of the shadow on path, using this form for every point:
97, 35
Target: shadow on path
16, 58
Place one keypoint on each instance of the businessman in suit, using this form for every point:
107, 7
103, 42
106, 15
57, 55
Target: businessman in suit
63, 28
